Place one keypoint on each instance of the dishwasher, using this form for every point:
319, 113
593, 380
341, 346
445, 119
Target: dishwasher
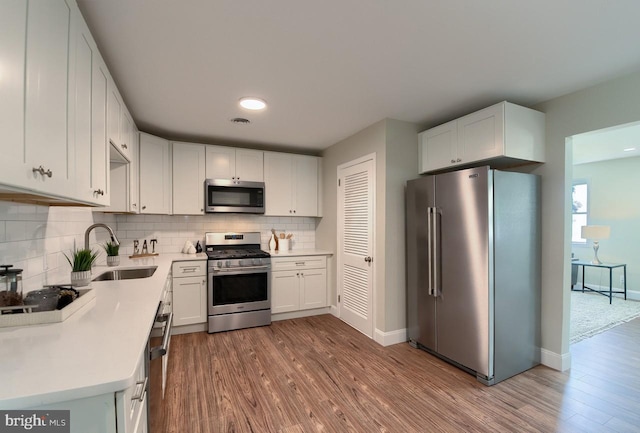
158, 349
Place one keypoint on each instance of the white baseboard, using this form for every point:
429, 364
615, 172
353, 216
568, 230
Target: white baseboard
334, 311
188, 329
299, 314
555, 360
391, 337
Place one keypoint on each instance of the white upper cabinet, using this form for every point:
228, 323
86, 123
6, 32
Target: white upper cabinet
134, 169
503, 134
291, 184
88, 116
235, 164
114, 117
13, 22
188, 178
44, 161
155, 175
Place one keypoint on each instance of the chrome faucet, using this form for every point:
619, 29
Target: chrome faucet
114, 239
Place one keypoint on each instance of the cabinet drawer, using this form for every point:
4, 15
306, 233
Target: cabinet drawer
130, 403
190, 268
298, 262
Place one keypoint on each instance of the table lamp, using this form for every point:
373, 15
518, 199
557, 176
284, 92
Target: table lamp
595, 233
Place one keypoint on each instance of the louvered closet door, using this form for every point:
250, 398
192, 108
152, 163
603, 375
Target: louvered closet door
355, 243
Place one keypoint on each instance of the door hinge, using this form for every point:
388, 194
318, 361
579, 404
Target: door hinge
338, 299
338, 182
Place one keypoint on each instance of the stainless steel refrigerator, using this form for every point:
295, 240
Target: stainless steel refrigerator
473, 270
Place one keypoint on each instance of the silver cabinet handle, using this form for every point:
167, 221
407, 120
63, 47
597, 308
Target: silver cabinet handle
458, 160
143, 390
98, 192
453, 161
42, 171
185, 270
144, 207
368, 259
297, 274
133, 205
124, 146
300, 263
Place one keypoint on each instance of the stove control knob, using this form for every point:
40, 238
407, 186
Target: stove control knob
227, 264
241, 263
256, 262
219, 264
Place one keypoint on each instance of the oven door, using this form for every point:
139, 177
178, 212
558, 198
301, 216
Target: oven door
239, 290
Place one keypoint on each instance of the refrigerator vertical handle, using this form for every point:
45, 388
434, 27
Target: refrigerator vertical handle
434, 249
429, 252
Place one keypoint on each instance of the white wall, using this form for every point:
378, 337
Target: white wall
613, 202
395, 144
34, 238
608, 104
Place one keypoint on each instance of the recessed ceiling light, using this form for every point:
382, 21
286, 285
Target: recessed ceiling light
253, 103
629, 149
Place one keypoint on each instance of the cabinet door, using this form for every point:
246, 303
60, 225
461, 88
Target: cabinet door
189, 300
134, 170
313, 288
480, 134
188, 178
250, 165
13, 22
126, 131
221, 162
305, 200
113, 116
278, 183
155, 175
438, 147
87, 122
285, 291
47, 95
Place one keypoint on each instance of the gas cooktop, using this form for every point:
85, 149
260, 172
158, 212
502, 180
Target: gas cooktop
248, 253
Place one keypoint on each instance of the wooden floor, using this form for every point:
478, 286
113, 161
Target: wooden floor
318, 374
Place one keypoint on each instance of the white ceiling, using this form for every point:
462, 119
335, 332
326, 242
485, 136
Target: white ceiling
330, 68
611, 143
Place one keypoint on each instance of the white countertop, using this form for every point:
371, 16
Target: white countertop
93, 352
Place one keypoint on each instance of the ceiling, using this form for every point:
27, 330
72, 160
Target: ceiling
328, 69
610, 143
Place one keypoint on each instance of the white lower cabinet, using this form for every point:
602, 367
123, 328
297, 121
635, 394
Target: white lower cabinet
298, 283
121, 412
189, 293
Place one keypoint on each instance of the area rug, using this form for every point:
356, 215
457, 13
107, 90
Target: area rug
592, 314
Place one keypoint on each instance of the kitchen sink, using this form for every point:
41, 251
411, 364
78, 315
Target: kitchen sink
126, 274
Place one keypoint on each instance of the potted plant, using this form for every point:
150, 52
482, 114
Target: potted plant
111, 248
81, 262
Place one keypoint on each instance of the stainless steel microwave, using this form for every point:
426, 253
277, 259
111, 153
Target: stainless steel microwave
232, 196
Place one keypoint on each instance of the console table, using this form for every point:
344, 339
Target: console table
611, 266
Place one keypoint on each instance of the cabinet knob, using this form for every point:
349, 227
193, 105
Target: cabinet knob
144, 207
42, 171
297, 274
453, 161
458, 160
124, 146
133, 205
98, 192
368, 259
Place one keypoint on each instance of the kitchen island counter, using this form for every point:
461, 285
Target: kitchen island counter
93, 352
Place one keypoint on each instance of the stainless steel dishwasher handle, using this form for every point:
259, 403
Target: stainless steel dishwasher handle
143, 391
159, 351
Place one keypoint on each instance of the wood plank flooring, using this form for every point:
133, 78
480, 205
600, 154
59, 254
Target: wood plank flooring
317, 374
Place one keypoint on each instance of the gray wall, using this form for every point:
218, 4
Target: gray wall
607, 104
613, 201
395, 145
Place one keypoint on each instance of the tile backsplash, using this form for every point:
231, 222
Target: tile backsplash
35, 238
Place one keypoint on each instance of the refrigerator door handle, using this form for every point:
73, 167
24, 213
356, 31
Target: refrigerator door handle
429, 252
434, 247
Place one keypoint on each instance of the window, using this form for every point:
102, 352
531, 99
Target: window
580, 210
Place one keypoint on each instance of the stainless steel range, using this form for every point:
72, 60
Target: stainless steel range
239, 281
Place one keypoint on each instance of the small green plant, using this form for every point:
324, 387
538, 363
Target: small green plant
111, 248
81, 260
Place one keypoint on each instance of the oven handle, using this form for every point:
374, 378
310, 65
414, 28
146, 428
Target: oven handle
242, 270
159, 351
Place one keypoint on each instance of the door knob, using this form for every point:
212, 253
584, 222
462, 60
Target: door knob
368, 259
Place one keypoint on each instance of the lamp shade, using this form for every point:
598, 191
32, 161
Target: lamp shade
595, 232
